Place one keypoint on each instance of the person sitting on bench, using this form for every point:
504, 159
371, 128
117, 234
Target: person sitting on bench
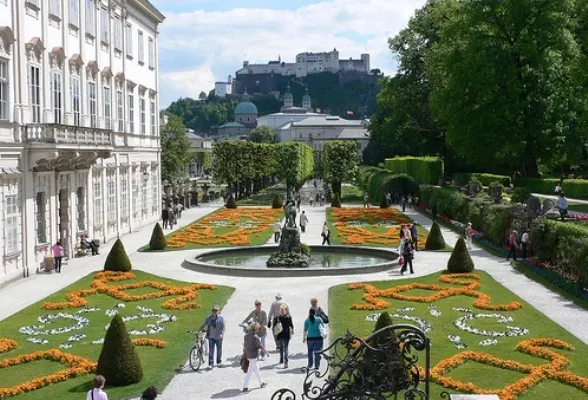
89, 244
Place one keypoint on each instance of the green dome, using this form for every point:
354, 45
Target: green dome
246, 107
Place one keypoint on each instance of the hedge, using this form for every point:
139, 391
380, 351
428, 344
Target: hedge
383, 181
463, 178
422, 169
574, 188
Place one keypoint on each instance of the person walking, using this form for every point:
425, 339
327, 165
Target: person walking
215, 332
326, 233
562, 205
469, 233
179, 207
259, 316
414, 234
318, 311
525, 239
303, 221
277, 229
312, 337
322, 199
407, 234
165, 217
366, 200
150, 393
96, 393
57, 251
274, 314
389, 199
408, 255
298, 203
512, 244
251, 348
317, 199
404, 201
286, 330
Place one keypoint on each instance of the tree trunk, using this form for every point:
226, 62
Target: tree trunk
336, 186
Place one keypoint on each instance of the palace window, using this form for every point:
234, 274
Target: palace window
74, 13
92, 103
118, 33
97, 193
57, 96
124, 196
35, 2
107, 108
90, 19
154, 187
81, 202
141, 49
144, 193
131, 113
153, 116
3, 90
142, 110
120, 114
76, 103
111, 205
11, 224
104, 26
35, 92
40, 205
135, 193
55, 8
129, 39
151, 54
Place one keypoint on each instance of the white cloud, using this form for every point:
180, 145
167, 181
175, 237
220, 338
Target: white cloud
221, 40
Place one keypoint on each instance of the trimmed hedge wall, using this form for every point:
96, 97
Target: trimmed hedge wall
463, 178
574, 188
422, 169
383, 181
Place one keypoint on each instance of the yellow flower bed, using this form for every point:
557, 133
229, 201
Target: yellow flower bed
354, 234
202, 231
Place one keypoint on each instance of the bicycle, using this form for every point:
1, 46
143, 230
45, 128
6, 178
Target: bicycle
197, 351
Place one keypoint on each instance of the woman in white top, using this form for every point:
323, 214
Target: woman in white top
97, 393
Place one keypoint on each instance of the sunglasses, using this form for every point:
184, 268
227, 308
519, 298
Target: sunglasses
214, 310
257, 304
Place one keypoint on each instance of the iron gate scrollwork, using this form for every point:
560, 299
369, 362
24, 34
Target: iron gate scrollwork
379, 367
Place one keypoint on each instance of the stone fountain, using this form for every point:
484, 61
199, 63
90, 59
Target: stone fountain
289, 254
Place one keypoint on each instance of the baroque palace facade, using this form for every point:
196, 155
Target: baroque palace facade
79, 126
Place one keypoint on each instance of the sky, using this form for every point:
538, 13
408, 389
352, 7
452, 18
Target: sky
203, 41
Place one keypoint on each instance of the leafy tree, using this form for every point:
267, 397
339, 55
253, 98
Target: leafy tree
118, 361
202, 96
117, 259
295, 163
175, 148
202, 158
340, 163
263, 134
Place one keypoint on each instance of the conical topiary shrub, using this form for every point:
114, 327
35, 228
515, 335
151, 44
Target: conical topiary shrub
460, 260
157, 241
117, 259
435, 240
383, 321
336, 201
277, 202
384, 202
231, 202
119, 362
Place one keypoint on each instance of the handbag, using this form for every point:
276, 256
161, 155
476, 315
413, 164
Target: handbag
278, 328
324, 331
400, 260
244, 364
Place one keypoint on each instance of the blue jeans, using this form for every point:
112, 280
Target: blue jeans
219, 353
314, 345
283, 343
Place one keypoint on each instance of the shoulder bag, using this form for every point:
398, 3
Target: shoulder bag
278, 328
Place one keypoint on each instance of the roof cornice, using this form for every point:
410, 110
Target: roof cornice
149, 9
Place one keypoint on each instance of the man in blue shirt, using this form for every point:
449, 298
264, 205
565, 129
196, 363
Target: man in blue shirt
215, 331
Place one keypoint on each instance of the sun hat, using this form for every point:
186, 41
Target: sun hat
278, 296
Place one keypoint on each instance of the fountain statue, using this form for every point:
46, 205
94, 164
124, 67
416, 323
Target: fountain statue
290, 252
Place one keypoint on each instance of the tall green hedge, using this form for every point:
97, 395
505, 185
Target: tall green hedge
383, 181
422, 169
463, 178
575, 188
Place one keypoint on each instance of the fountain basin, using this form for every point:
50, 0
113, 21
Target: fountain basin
324, 260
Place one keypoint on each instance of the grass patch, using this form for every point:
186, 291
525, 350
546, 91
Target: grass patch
159, 365
342, 318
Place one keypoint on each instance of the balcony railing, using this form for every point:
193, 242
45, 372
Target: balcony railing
67, 134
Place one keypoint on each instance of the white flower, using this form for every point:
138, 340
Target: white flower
454, 338
462, 324
99, 341
488, 342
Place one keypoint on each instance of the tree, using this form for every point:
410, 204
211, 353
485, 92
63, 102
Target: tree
460, 260
118, 361
263, 134
202, 96
295, 163
435, 240
117, 259
175, 148
340, 163
157, 241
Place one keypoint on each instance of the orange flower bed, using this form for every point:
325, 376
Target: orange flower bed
535, 373
372, 294
160, 344
182, 300
7, 345
77, 366
202, 231
354, 234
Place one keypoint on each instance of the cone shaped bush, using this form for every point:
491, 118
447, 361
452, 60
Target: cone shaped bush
460, 260
384, 202
435, 240
119, 362
117, 259
157, 241
383, 321
231, 202
336, 201
277, 203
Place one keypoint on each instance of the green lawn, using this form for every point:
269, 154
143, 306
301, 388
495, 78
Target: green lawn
343, 317
351, 195
159, 365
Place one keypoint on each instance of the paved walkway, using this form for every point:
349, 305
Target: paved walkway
227, 381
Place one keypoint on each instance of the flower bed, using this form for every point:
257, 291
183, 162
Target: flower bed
466, 343
73, 336
365, 226
227, 227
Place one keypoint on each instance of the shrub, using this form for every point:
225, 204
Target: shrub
520, 195
383, 181
488, 179
422, 169
460, 260
118, 361
277, 202
383, 321
435, 240
157, 241
117, 259
305, 249
231, 202
574, 188
336, 201
462, 178
383, 201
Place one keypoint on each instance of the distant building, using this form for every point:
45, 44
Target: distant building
223, 89
289, 112
245, 120
197, 143
309, 63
